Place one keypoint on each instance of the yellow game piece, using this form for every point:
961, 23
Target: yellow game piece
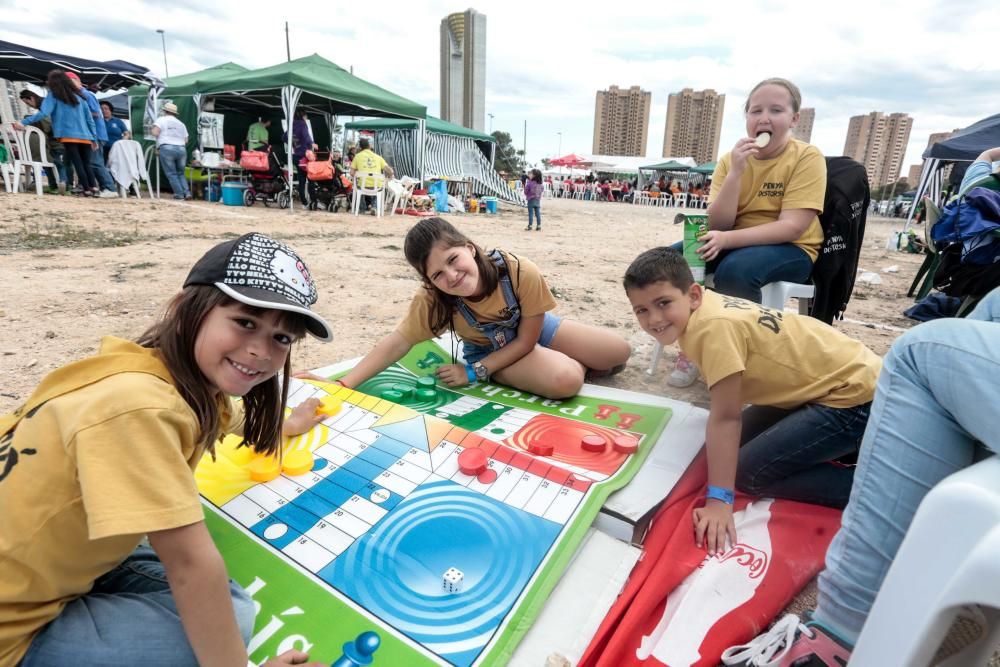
329, 406
264, 469
297, 462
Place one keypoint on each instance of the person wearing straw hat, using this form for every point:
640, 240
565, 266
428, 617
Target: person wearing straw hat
171, 141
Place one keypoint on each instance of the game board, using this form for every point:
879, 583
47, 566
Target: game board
383, 532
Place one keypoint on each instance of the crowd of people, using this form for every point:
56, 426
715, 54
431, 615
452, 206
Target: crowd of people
790, 398
79, 133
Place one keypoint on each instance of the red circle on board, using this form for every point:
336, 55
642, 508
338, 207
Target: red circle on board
540, 448
593, 443
487, 476
472, 461
626, 444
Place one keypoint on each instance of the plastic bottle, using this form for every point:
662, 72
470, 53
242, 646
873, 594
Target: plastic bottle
695, 226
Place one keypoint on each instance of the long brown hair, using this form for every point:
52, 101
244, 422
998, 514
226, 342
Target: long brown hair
420, 240
60, 86
174, 336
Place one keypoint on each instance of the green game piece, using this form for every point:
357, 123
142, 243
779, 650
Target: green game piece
405, 390
426, 394
498, 431
426, 382
392, 395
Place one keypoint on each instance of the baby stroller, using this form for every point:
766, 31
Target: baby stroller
329, 186
268, 181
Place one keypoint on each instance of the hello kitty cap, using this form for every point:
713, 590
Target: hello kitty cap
259, 271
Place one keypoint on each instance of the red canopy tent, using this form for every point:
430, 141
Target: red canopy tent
571, 160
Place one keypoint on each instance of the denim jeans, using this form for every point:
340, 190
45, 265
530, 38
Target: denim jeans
100, 170
173, 158
129, 618
790, 453
930, 415
742, 272
535, 208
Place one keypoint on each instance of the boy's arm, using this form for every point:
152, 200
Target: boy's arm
200, 586
722, 443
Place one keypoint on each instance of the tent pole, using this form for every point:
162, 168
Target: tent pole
422, 134
289, 100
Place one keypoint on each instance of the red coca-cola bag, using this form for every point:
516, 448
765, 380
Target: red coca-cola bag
682, 608
254, 160
229, 152
320, 170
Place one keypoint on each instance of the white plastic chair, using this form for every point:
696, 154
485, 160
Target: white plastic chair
680, 199
7, 168
127, 165
773, 295
949, 558
27, 161
402, 193
546, 190
377, 190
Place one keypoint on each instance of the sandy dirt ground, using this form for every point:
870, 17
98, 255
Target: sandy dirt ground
78, 269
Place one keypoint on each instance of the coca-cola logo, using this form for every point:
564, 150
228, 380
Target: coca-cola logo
753, 559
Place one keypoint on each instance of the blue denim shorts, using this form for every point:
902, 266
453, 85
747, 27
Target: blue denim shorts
473, 352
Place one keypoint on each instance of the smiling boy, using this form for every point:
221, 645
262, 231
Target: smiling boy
808, 386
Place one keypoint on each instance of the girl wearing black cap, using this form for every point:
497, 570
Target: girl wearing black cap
103, 453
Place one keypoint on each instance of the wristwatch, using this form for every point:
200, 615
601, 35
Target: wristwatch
482, 373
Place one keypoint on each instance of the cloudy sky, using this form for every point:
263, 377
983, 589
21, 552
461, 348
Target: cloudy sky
934, 59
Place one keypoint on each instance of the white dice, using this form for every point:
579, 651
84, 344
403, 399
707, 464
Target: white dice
452, 580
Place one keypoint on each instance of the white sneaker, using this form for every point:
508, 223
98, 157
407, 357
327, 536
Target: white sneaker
684, 374
108, 194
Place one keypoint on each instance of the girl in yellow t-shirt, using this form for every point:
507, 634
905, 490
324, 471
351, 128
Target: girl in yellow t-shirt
498, 305
103, 453
766, 195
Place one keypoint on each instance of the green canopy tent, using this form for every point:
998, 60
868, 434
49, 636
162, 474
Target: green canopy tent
312, 83
670, 166
708, 168
450, 151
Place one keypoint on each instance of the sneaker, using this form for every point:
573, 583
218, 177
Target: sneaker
188, 197
528, 228
62, 188
108, 194
684, 374
538, 228
791, 643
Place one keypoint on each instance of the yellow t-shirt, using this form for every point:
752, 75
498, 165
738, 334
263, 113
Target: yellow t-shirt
96, 469
369, 162
529, 286
787, 360
794, 179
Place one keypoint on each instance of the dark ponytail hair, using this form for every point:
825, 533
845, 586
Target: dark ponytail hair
63, 89
420, 240
174, 336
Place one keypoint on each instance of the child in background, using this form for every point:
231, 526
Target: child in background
533, 193
498, 305
765, 199
103, 453
808, 385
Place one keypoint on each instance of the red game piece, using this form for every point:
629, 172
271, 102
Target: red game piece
593, 443
626, 444
540, 448
472, 461
487, 476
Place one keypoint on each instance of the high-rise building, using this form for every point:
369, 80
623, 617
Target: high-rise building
804, 130
938, 137
463, 69
621, 121
913, 177
694, 124
11, 106
878, 141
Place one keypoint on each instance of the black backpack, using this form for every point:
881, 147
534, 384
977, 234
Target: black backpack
845, 210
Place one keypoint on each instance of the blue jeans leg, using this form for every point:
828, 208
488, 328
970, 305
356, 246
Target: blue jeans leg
789, 453
100, 170
931, 408
129, 618
172, 158
743, 271
535, 209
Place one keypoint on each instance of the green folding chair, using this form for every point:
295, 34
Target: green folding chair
931, 258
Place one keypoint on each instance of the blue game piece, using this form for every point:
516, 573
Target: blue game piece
359, 652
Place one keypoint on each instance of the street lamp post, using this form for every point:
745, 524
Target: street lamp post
559, 152
163, 41
491, 122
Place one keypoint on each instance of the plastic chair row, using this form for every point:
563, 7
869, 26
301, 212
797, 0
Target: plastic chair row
21, 160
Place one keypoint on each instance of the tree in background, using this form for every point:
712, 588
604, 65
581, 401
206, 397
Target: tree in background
546, 162
890, 190
509, 159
